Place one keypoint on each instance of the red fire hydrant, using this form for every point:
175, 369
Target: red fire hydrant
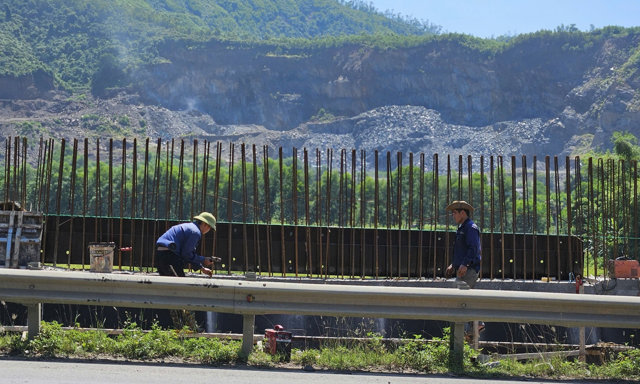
278, 341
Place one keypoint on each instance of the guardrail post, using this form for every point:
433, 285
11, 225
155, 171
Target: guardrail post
248, 324
456, 346
34, 317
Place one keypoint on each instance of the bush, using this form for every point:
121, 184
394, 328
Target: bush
212, 351
136, 344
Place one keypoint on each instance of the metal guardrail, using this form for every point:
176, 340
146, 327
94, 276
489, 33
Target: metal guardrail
249, 298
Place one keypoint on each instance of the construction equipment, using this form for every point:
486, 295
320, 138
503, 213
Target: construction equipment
278, 341
624, 268
20, 237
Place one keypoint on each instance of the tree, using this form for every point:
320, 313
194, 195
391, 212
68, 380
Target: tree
625, 145
109, 74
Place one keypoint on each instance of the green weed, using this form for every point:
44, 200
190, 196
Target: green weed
413, 355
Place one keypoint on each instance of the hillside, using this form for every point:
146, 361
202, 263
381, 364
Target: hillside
547, 93
72, 38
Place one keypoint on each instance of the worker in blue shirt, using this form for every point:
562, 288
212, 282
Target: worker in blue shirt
467, 249
467, 254
178, 247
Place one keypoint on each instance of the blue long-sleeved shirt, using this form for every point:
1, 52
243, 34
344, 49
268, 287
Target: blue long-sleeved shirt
185, 239
467, 249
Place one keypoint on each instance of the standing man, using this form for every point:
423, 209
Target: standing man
467, 250
467, 255
178, 246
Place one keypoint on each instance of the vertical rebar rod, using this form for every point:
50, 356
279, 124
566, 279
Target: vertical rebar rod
614, 185
12, 179
202, 192
72, 199
502, 203
256, 212
525, 216
580, 219
492, 217
155, 204
216, 194
180, 185
85, 198
482, 211
470, 179
410, 215
388, 252
460, 173
230, 206
294, 203
245, 202
145, 210
18, 171
627, 207
421, 223
623, 182
14, 167
558, 213
21, 171
169, 182
7, 168
267, 205
24, 173
14, 170
110, 234
205, 176
48, 176
58, 199
399, 210
307, 220
328, 208
569, 213
123, 198
98, 209
435, 192
534, 221
513, 259
547, 172
447, 235
636, 235
352, 204
318, 202
283, 253
603, 205
39, 171
134, 205
592, 218
363, 209
341, 213
193, 201
376, 214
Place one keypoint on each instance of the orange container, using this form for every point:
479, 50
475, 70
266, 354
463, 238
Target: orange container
622, 269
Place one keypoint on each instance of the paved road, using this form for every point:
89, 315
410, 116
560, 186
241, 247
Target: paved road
13, 371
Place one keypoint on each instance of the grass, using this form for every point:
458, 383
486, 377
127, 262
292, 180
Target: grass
412, 356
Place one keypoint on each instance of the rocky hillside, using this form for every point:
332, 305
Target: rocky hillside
548, 93
538, 97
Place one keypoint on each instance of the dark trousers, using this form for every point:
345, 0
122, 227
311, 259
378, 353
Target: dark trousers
170, 264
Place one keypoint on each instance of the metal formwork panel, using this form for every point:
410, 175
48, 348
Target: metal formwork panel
20, 238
